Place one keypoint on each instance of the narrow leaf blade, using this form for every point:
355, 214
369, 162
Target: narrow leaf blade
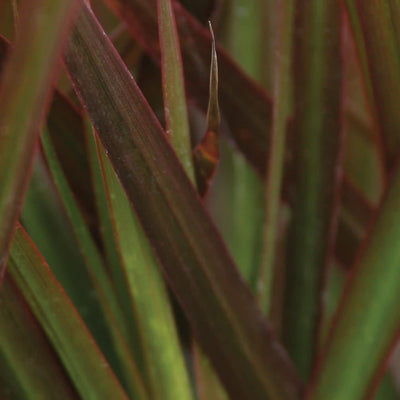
221, 309
91, 374
23, 346
97, 271
206, 153
176, 113
317, 99
250, 111
383, 57
25, 90
159, 338
370, 301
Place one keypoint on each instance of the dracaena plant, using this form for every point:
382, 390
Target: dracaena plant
199, 200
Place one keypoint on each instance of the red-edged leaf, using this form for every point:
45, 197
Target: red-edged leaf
378, 27
25, 90
317, 126
175, 109
24, 347
248, 106
367, 321
247, 356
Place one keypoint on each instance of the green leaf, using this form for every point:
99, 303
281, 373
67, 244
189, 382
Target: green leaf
97, 271
316, 125
379, 29
363, 158
163, 356
24, 347
246, 22
117, 271
45, 221
223, 314
276, 156
176, 114
81, 357
25, 92
367, 322
177, 118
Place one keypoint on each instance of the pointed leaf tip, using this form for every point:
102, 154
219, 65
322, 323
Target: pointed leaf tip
206, 153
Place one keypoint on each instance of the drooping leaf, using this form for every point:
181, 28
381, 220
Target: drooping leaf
223, 314
25, 89
316, 125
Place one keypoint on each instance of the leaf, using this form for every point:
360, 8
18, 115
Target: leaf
117, 271
24, 347
206, 153
355, 216
276, 156
178, 129
97, 271
163, 358
176, 114
250, 48
66, 126
45, 221
316, 125
25, 89
85, 364
383, 57
363, 160
222, 311
366, 324
250, 112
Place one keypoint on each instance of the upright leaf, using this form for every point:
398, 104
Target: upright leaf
317, 95
206, 153
163, 358
367, 322
121, 356
176, 115
249, 48
276, 156
25, 89
222, 311
177, 118
247, 105
378, 25
45, 221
